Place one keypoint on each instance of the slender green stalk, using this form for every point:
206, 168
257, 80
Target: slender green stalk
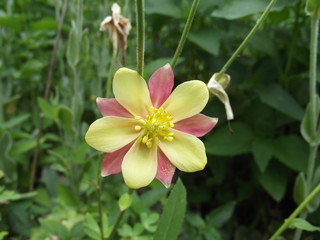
185, 32
314, 118
99, 187
298, 210
246, 40
116, 225
140, 35
109, 83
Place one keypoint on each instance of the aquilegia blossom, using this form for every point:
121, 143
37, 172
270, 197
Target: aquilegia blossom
147, 133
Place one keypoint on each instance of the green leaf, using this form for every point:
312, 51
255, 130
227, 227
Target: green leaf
233, 9
73, 48
224, 143
274, 180
172, 217
65, 118
67, 196
3, 234
219, 216
306, 125
313, 8
55, 227
15, 121
125, 201
10, 195
7, 164
48, 110
292, 151
91, 227
207, 39
152, 66
303, 224
149, 221
164, 7
262, 150
300, 189
278, 98
44, 24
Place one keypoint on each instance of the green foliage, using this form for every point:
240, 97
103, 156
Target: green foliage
173, 214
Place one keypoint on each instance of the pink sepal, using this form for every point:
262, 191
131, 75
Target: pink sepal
198, 125
111, 107
111, 163
165, 169
160, 85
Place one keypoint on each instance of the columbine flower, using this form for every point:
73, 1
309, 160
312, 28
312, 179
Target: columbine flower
118, 28
147, 133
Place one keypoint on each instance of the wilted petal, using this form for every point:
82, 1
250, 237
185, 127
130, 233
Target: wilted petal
198, 125
111, 107
104, 25
165, 169
215, 87
111, 163
131, 91
186, 152
160, 85
187, 100
139, 166
111, 133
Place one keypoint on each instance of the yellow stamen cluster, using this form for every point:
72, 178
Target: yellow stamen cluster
155, 125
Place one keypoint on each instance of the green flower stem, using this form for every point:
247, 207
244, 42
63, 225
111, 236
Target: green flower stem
313, 70
116, 225
185, 32
99, 187
293, 215
140, 35
314, 118
246, 40
110, 76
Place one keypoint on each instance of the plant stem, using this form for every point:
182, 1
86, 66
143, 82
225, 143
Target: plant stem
116, 225
314, 118
185, 32
46, 96
100, 201
140, 35
109, 83
287, 222
246, 40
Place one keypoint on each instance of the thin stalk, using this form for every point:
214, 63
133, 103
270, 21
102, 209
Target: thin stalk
109, 83
185, 32
116, 225
46, 95
246, 40
293, 215
313, 120
100, 201
140, 35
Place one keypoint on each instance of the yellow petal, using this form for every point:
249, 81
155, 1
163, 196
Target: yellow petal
131, 91
111, 133
187, 100
139, 166
186, 152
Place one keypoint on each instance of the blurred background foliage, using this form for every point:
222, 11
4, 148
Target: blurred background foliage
245, 191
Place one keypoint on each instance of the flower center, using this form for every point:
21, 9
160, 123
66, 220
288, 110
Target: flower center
156, 125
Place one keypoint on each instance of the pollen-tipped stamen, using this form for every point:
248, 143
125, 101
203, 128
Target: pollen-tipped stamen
156, 124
